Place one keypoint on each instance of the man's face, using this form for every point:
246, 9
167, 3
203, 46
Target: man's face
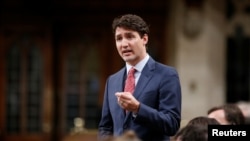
131, 47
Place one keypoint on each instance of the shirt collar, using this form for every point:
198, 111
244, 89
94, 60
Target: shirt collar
139, 66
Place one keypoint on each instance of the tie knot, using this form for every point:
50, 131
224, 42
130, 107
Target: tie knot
131, 70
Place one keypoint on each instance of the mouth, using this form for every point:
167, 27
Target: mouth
127, 52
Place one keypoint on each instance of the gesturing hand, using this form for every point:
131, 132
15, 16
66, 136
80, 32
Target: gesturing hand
127, 101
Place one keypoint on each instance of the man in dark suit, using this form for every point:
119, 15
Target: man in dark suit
153, 108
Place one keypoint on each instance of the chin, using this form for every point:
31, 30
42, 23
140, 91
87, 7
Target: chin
128, 58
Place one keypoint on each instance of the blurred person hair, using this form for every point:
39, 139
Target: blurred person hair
233, 113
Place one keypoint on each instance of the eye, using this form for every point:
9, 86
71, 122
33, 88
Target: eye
130, 36
118, 38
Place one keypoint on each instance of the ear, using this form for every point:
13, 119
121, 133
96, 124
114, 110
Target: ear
145, 39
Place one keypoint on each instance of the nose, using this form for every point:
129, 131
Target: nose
124, 43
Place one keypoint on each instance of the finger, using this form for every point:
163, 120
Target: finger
118, 99
122, 104
118, 94
124, 96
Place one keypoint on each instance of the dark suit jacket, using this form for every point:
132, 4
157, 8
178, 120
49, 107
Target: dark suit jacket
159, 92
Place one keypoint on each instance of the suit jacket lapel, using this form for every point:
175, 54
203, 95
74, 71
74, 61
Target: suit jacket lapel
120, 80
145, 77
119, 88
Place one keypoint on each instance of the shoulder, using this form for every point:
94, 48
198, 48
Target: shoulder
119, 73
161, 68
167, 68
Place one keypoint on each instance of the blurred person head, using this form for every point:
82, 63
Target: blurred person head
196, 129
127, 136
202, 121
245, 108
227, 114
192, 133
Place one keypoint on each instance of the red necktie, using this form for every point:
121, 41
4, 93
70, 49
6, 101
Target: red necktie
130, 81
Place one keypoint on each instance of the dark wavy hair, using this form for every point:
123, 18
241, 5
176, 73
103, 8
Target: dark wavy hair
132, 22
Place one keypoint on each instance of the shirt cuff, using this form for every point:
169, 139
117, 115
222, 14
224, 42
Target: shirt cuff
134, 115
